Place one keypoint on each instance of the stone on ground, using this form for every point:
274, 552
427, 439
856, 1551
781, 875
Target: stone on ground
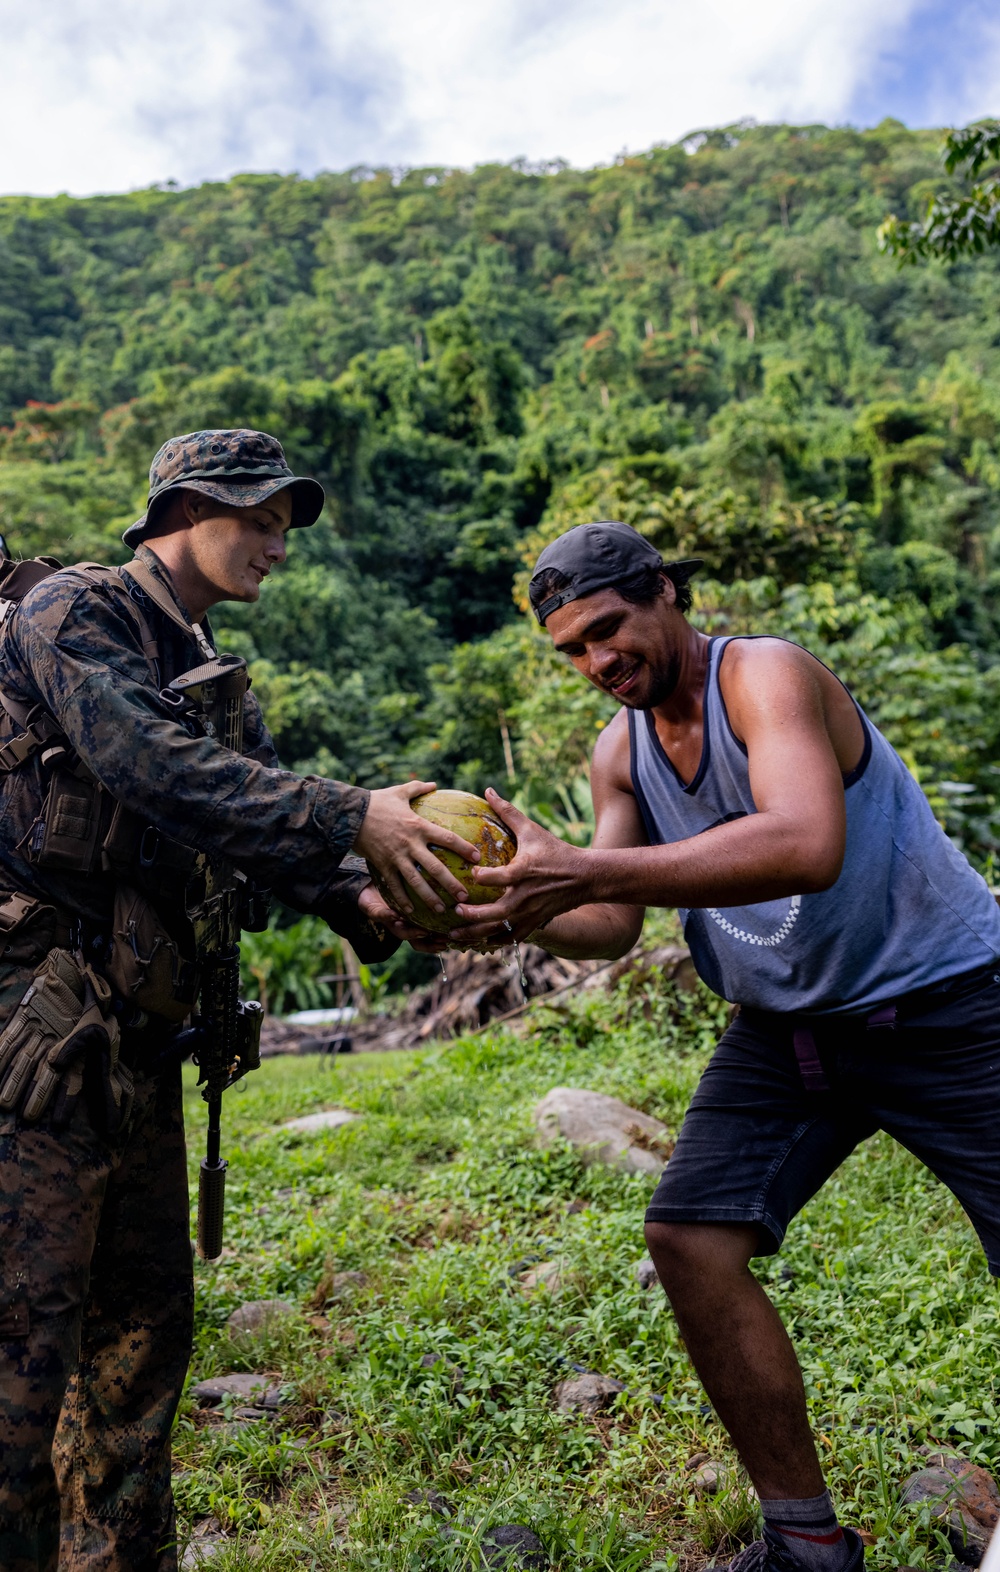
587, 1394
966, 1500
345, 1284
603, 1129
328, 1119
258, 1315
201, 1551
443, 1366
645, 1273
512, 1546
256, 1389
708, 1479
547, 1276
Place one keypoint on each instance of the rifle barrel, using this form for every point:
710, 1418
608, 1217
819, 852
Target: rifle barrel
212, 1186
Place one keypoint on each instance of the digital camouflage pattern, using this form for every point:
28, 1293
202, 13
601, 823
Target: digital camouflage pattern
74, 648
238, 467
95, 1336
95, 1254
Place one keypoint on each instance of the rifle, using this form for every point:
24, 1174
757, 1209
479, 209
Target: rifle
224, 1036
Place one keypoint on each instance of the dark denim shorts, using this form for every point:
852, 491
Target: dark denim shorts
756, 1145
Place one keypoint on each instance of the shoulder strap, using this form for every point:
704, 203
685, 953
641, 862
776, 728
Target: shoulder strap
110, 578
151, 586
39, 730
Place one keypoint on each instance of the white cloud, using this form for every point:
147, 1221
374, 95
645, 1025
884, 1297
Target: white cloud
127, 92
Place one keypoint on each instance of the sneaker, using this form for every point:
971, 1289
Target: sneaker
764, 1555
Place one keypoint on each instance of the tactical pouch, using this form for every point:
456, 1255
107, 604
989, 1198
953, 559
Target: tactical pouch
74, 815
146, 965
120, 848
27, 928
62, 1029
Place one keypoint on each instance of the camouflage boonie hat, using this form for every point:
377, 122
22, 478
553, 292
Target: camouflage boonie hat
238, 467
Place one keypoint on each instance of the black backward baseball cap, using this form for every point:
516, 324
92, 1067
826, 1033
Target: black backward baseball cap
592, 557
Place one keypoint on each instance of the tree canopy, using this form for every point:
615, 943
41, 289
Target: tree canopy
955, 224
703, 339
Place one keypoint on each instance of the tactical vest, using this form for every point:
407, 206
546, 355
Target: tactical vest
173, 904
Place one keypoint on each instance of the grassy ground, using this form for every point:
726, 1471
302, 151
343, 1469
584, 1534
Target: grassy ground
435, 1193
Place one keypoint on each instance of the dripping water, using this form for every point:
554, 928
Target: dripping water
520, 972
444, 969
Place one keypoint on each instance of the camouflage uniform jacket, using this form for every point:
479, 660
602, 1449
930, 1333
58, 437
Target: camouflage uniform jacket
75, 649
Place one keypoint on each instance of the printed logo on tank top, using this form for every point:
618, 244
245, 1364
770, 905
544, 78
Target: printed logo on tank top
762, 916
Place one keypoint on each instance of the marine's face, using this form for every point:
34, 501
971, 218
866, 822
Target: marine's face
234, 549
631, 652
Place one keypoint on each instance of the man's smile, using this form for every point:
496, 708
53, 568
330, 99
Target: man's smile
623, 682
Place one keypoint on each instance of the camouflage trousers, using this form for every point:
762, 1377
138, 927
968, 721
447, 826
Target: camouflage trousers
95, 1334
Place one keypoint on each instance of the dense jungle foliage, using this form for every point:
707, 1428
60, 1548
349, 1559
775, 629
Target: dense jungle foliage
703, 340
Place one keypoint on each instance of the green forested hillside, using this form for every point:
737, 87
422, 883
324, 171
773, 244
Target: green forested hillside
702, 340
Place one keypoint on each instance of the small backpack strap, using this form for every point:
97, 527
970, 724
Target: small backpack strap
110, 578
160, 596
40, 733
38, 729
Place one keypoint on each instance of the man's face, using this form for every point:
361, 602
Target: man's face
631, 652
234, 549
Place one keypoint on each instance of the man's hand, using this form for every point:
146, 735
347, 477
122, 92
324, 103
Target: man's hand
546, 877
397, 842
372, 906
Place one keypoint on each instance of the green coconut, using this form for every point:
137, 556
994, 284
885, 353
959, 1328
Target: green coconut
473, 819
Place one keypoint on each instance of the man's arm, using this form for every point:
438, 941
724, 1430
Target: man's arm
81, 655
793, 844
347, 900
600, 930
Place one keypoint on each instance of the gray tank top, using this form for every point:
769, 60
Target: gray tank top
907, 911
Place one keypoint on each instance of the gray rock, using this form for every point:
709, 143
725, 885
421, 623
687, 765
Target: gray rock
696, 1459
708, 1479
444, 1367
513, 1546
328, 1119
258, 1315
255, 1389
547, 1276
587, 1394
964, 1497
343, 1285
200, 1552
603, 1130
645, 1273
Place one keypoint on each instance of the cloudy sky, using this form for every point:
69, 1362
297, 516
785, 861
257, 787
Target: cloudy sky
104, 95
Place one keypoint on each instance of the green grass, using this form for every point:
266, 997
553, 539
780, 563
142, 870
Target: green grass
435, 1193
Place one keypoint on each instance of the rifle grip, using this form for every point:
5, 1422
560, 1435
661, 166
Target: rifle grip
211, 1208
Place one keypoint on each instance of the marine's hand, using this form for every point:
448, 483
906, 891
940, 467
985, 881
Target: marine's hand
397, 842
372, 906
546, 877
